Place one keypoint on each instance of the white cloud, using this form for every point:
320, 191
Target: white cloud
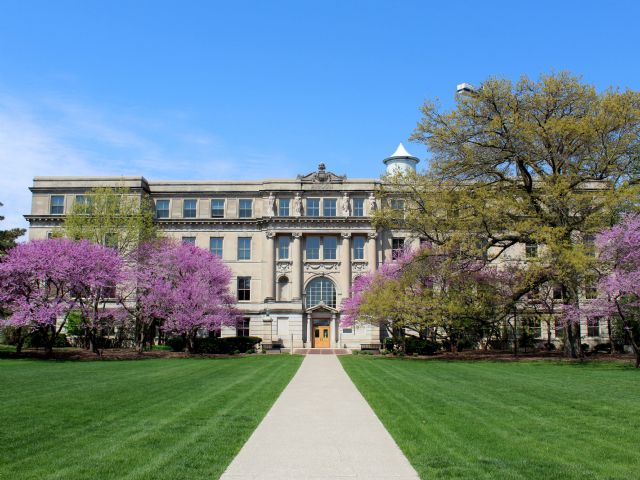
52, 136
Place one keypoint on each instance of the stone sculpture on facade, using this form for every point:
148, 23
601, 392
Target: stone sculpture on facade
297, 206
345, 204
271, 205
372, 203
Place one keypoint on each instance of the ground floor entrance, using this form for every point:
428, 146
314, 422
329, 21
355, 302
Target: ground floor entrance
321, 336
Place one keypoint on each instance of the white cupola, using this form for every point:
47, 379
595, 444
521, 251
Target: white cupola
401, 161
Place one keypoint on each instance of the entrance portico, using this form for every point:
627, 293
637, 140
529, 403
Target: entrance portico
322, 327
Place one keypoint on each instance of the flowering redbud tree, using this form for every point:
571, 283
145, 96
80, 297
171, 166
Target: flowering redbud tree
619, 286
41, 282
181, 288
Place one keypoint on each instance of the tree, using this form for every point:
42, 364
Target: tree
434, 294
181, 288
619, 286
113, 217
541, 163
8, 237
42, 281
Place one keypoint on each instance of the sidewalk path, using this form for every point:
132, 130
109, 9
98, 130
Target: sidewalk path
320, 428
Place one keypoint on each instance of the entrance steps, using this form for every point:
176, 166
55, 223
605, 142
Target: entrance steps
321, 351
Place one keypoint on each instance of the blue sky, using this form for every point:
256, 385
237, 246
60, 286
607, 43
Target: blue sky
235, 90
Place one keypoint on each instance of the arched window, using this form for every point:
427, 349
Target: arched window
321, 290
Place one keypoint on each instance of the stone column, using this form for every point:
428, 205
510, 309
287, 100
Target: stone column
269, 266
345, 264
333, 330
296, 267
372, 251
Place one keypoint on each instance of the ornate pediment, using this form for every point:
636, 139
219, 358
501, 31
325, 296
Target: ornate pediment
322, 176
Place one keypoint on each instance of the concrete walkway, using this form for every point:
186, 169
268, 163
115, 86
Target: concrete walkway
320, 428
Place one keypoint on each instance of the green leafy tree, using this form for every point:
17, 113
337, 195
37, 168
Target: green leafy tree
114, 217
8, 237
540, 163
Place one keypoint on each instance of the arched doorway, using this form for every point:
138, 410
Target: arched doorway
321, 311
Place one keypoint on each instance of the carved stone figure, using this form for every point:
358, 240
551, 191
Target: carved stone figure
372, 203
297, 206
345, 204
271, 205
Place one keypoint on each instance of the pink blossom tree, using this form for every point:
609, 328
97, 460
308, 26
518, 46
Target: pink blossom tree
41, 282
619, 285
181, 288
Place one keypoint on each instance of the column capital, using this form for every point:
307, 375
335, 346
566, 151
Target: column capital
372, 235
345, 234
296, 234
270, 234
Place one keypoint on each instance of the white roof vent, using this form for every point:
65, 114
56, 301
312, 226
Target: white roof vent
401, 161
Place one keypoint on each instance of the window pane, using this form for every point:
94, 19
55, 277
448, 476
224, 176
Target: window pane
283, 247
358, 247
217, 208
283, 207
531, 250
189, 208
162, 208
329, 207
215, 246
313, 248
397, 204
244, 248
244, 288
313, 207
330, 245
245, 208
321, 290
57, 204
397, 246
189, 240
358, 207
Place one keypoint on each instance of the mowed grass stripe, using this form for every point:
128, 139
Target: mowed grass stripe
507, 420
178, 418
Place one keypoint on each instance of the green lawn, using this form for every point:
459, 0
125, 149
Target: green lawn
486, 420
151, 419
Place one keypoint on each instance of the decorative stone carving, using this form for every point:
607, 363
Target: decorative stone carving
372, 235
373, 205
283, 267
358, 268
297, 206
270, 234
322, 176
271, 205
345, 205
321, 267
296, 234
345, 234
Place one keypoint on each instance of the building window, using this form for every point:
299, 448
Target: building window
590, 244
109, 291
329, 207
283, 207
358, 207
321, 290
244, 248
189, 240
80, 200
217, 208
556, 293
244, 288
559, 329
313, 207
242, 329
215, 246
162, 208
593, 327
246, 208
397, 204
111, 240
329, 248
57, 204
531, 250
358, 247
283, 247
189, 208
533, 327
397, 247
590, 292
313, 248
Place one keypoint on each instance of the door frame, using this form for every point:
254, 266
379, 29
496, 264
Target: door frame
318, 328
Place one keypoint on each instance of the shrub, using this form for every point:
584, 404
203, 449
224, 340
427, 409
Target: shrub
389, 344
160, 347
226, 345
177, 344
39, 339
419, 346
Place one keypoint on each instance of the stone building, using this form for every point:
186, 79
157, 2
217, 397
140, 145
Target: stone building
294, 245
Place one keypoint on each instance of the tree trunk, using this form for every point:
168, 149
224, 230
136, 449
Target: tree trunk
19, 340
611, 348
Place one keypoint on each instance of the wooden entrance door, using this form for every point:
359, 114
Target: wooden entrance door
321, 336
